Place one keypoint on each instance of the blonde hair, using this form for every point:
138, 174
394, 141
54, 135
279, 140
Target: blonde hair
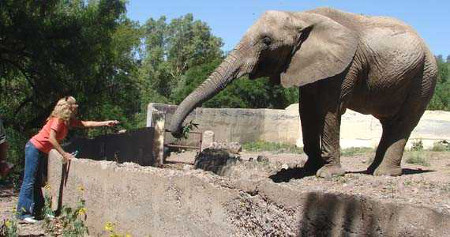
63, 109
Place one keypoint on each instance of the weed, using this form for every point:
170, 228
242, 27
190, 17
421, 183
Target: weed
417, 157
446, 188
188, 128
417, 146
408, 182
272, 147
70, 222
9, 228
340, 179
110, 227
441, 146
355, 151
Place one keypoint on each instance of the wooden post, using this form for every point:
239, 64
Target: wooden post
158, 121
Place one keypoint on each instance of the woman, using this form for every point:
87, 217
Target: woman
60, 121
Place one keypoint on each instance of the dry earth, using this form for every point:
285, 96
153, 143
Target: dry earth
427, 185
420, 185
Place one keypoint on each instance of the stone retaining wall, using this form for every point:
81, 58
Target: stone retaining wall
144, 201
248, 125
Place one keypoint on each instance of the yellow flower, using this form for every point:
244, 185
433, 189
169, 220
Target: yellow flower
47, 187
128, 235
81, 188
109, 226
82, 211
8, 223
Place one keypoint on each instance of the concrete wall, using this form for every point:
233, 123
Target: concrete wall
144, 201
357, 130
135, 146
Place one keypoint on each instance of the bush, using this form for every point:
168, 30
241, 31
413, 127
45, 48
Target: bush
417, 157
441, 146
271, 146
70, 222
417, 146
9, 228
355, 151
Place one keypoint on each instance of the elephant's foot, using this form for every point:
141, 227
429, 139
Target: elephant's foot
390, 171
371, 169
329, 171
313, 165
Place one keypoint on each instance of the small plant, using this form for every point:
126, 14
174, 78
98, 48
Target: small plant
272, 147
408, 183
70, 222
110, 228
355, 151
9, 228
417, 146
188, 128
441, 146
416, 157
340, 179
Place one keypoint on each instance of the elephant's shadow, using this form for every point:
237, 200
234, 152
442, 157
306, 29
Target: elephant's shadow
286, 175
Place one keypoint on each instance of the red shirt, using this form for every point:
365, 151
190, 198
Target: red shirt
41, 140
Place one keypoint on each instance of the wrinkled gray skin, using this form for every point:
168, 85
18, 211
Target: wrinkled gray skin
339, 60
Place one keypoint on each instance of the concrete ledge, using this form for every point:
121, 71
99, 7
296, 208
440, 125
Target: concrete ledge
146, 201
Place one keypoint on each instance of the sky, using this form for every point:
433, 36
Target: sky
230, 19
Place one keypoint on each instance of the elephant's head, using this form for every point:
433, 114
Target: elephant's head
293, 49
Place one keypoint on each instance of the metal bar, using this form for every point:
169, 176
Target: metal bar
190, 132
181, 146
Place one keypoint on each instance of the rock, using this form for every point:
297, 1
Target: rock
262, 158
215, 160
232, 147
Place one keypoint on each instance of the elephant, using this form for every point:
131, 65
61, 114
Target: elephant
338, 60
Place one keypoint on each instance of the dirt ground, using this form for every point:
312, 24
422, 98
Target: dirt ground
426, 184
423, 185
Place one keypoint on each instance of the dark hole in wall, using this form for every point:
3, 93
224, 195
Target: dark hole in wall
132, 146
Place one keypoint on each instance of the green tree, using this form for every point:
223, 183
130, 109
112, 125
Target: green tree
53, 48
441, 97
170, 50
241, 93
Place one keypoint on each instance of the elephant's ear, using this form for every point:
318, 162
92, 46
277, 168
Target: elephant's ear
324, 49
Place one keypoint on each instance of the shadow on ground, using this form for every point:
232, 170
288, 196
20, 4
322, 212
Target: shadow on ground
405, 171
286, 175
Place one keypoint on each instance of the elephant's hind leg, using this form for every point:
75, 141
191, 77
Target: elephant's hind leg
397, 129
390, 150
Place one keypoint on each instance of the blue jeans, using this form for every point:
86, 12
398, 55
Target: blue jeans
31, 200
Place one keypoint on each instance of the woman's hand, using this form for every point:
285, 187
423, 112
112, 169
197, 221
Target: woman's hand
67, 157
111, 123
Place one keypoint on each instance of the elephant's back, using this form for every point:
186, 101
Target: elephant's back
363, 24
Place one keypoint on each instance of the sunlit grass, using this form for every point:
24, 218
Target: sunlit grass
272, 147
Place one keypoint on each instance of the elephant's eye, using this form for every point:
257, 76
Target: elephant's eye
267, 40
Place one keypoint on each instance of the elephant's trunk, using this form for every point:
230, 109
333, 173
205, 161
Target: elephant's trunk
227, 71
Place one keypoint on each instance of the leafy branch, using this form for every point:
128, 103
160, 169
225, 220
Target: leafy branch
188, 128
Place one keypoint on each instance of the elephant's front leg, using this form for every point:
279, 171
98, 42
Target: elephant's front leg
311, 128
320, 127
330, 145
